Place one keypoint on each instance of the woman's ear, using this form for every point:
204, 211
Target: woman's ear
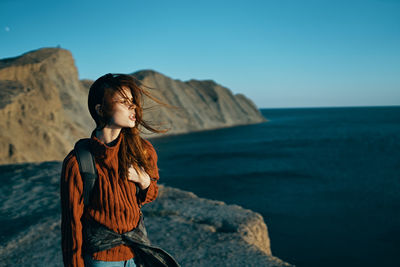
98, 109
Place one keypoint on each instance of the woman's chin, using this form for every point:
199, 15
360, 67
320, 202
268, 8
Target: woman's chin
127, 124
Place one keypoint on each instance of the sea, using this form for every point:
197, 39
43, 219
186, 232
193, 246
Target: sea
325, 180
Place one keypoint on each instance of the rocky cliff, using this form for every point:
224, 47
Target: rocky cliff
43, 106
40, 99
196, 231
202, 104
203, 232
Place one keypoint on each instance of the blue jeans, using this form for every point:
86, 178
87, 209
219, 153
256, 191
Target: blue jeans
89, 262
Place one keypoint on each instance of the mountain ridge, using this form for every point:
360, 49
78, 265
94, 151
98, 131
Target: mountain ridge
44, 105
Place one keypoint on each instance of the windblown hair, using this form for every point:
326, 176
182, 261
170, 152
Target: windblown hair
133, 149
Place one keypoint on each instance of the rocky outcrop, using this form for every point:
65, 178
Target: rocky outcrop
203, 232
43, 106
196, 231
201, 104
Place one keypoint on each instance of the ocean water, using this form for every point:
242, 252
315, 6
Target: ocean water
326, 180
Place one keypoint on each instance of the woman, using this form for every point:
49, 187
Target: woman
123, 161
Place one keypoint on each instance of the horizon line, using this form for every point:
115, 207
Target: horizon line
300, 107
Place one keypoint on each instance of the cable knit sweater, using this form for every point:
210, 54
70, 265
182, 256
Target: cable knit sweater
113, 201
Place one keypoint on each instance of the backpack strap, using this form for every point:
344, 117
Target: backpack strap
87, 168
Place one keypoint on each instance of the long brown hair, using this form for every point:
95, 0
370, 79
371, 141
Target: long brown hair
133, 148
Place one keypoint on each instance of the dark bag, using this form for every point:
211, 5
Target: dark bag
98, 237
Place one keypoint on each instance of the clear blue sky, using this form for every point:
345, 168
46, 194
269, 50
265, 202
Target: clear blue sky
281, 53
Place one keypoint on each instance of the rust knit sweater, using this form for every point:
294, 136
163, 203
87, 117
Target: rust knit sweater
113, 201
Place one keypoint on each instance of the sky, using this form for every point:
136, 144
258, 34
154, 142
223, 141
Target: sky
279, 53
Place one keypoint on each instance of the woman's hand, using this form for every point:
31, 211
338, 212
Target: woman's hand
142, 178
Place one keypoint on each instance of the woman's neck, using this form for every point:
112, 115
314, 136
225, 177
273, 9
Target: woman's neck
107, 135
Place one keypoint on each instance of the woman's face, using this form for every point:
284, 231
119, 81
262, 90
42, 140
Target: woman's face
123, 111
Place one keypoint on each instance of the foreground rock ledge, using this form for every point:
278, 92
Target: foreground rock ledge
203, 232
196, 231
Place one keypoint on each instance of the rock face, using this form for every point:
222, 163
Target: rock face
202, 104
196, 231
39, 107
203, 232
43, 106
